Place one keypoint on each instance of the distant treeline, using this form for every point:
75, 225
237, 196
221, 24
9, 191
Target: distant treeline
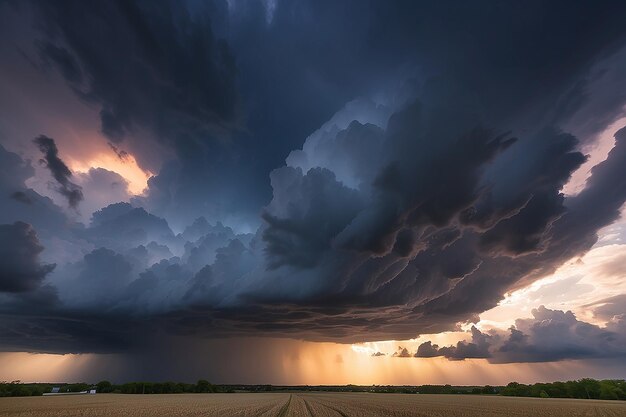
17, 389
608, 389
613, 389
584, 388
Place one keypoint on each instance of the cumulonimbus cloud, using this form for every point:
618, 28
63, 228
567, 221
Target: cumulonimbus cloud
402, 215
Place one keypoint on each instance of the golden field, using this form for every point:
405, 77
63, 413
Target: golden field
303, 404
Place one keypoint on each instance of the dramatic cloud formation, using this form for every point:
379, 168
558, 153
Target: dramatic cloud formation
245, 283
396, 184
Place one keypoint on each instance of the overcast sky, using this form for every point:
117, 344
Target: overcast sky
312, 191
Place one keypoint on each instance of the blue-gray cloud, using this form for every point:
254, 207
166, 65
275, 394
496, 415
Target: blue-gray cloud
550, 335
428, 186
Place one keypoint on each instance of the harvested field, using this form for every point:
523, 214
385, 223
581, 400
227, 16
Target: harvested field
303, 404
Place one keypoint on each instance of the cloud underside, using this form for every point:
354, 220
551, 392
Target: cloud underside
401, 215
299, 277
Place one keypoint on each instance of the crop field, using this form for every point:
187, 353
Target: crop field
303, 404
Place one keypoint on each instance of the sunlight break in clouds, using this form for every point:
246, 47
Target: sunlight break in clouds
126, 167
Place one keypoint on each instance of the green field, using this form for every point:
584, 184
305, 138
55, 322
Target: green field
303, 404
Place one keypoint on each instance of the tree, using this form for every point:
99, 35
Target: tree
203, 386
104, 386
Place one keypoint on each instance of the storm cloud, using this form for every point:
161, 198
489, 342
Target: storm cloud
396, 184
180, 79
174, 102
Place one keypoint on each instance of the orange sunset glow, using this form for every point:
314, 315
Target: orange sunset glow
127, 167
303, 363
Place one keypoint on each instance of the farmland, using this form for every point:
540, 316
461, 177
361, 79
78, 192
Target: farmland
303, 404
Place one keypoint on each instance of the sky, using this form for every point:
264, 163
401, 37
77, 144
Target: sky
312, 192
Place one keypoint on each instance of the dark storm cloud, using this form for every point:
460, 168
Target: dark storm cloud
431, 191
191, 104
518, 220
156, 66
321, 208
60, 172
52, 331
63, 60
404, 196
20, 269
158, 73
603, 94
427, 292
599, 203
573, 233
236, 294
